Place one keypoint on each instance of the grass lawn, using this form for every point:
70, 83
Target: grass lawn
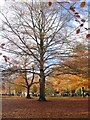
55, 107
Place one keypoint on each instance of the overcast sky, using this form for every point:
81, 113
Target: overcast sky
1, 2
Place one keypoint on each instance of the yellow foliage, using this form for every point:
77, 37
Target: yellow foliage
68, 82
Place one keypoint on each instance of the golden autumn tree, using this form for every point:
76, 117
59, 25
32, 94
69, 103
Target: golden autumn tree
68, 83
72, 73
19, 84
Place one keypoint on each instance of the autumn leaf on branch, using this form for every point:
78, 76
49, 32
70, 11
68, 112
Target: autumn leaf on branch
49, 3
2, 44
83, 4
88, 36
72, 9
78, 31
81, 25
6, 58
78, 16
82, 20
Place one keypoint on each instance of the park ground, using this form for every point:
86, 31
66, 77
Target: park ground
16, 107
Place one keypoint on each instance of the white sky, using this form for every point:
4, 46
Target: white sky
1, 2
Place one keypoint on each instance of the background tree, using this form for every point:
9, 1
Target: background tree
74, 68
77, 61
34, 89
68, 83
22, 69
19, 84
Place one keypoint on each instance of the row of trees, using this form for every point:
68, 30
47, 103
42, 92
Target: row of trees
41, 32
67, 76
72, 73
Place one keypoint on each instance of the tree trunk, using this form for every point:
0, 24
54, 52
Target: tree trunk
42, 86
73, 93
42, 75
42, 89
28, 95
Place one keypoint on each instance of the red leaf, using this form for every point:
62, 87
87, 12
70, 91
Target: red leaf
4, 56
78, 16
83, 4
83, 20
72, 9
5, 59
49, 3
78, 31
2, 44
88, 36
81, 25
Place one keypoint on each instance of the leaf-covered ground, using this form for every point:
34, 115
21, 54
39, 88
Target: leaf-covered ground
53, 108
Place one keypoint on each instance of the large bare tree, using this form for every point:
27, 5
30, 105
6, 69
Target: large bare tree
39, 30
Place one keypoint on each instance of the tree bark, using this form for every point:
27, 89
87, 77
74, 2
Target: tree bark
28, 95
42, 89
42, 74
